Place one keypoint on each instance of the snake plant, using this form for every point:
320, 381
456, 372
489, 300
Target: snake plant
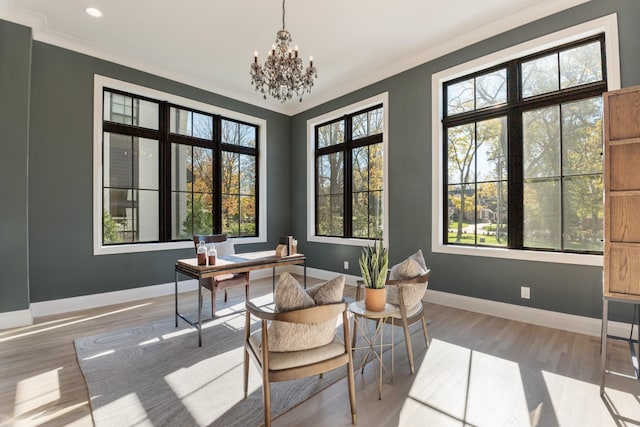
374, 262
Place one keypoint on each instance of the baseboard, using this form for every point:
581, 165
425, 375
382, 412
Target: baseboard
66, 305
551, 319
14, 319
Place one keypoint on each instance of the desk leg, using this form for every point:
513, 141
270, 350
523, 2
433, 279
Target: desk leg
199, 314
380, 358
305, 273
273, 280
176, 298
603, 343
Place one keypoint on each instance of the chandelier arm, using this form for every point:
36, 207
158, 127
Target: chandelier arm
283, 14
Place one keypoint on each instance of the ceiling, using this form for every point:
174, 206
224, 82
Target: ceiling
210, 44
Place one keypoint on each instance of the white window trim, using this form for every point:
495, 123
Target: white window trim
607, 24
383, 99
99, 83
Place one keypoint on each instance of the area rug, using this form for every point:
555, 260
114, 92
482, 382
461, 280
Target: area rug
156, 374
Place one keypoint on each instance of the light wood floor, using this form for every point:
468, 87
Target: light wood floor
479, 371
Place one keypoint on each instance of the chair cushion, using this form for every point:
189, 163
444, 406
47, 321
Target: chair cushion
412, 293
290, 295
291, 359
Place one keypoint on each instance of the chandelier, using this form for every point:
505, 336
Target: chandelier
283, 75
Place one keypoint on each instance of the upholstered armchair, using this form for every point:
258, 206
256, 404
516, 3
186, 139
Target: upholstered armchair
299, 339
225, 281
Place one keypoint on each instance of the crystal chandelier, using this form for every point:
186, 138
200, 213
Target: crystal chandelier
283, 75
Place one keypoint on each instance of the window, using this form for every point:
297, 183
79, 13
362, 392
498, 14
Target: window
347, 177
520, 149
170, 170
524, 144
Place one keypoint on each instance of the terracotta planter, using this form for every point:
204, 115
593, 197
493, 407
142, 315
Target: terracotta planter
375, 299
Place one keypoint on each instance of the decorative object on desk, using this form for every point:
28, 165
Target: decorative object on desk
374, 262
287, 245
283, 74
201, 253
212, 253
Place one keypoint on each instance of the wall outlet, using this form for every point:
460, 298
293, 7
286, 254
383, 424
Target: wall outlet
346, 265
525, 292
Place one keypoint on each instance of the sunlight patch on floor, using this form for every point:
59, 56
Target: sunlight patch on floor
126, 410
450, 388
582, 394
104, 353
40, 330
36, 391
196, 385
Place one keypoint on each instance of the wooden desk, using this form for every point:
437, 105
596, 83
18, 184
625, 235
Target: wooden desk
237, 263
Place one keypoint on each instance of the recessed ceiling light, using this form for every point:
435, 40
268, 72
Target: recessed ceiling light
92, 11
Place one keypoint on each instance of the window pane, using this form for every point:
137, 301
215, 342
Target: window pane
491, 149
337, 215
247, 174
145, 163
330, 174
582, 137
189, 123
461, 222
231, 214
460, 97
541, 142
117, 160
323, 215
360, 220
130, 111
331, 134
238, 134
181, 171
247, 216
583, 213
542, 225
461, 152
200, 213
491, 89
360, 168
540, 76
366, 124
492, 213
580, 65
130, 216
230, 173
148, 214
202, 169
376, 214
181, 227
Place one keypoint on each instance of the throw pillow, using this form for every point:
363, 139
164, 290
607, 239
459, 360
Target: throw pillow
408, 269
290, 295
225, 248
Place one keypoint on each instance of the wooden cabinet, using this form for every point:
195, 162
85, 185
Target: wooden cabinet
622, 193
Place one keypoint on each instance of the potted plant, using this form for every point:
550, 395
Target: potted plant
374, 262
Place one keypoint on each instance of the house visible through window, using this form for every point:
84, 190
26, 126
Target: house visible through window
523, 152
170, 172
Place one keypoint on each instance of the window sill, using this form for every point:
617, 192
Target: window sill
341, 241
165, 246
541, 256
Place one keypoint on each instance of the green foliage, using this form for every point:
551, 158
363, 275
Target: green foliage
374, 263
109, 228
199, 219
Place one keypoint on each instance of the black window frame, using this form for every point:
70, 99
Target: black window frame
513, 109
346, 147
165, 139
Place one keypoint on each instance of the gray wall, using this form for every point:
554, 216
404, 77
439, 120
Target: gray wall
558, 287
60, 183
15, 64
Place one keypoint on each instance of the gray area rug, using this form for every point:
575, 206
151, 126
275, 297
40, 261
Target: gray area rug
156, 374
